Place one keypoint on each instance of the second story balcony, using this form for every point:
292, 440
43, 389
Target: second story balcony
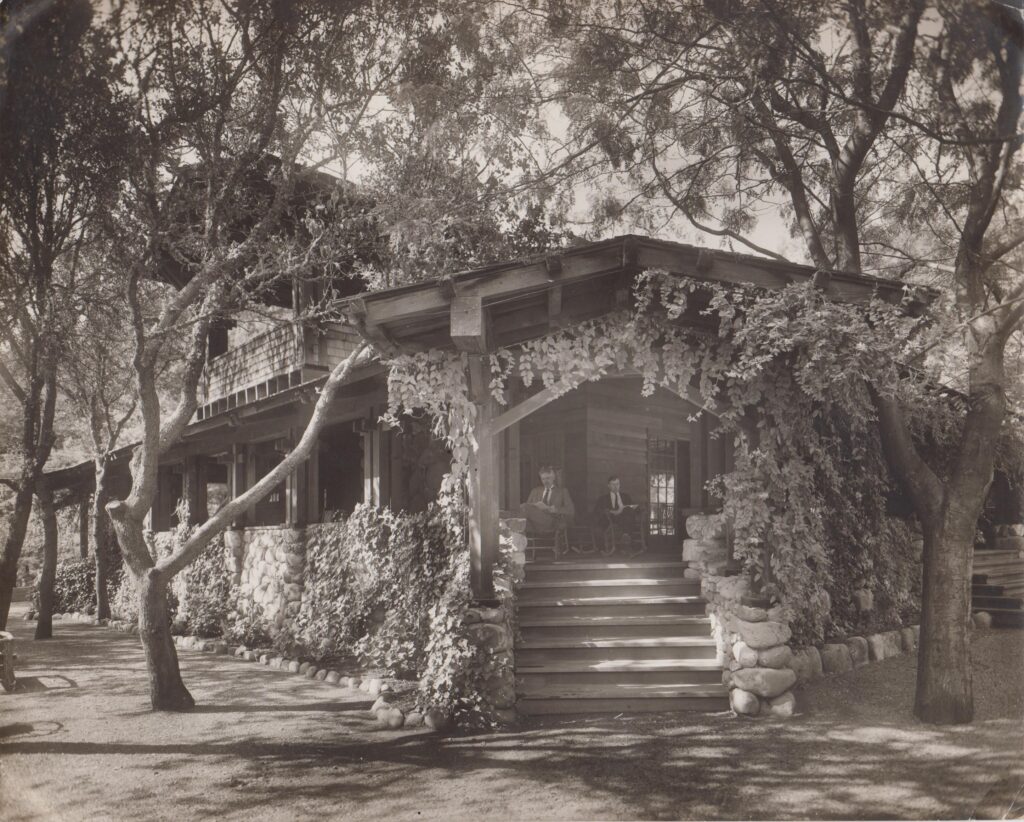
285, 355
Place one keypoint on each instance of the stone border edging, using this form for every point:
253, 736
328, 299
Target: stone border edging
388, 715
812, 662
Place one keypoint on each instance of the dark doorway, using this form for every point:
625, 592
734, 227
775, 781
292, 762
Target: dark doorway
341, 471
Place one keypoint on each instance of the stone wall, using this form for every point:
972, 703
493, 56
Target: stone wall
751, 640
268, 563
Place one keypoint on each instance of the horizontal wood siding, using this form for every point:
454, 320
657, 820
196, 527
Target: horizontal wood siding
556, 434
619, 421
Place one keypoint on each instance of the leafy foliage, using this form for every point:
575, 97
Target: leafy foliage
788, 373
372, 582
207, 598
124, 600
73, 587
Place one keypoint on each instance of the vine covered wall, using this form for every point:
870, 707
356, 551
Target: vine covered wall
787, 373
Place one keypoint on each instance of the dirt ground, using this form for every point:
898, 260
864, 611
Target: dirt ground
80, 744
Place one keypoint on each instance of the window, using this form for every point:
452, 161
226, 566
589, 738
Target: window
661, 483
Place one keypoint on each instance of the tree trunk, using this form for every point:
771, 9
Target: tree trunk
101, 539
16, 528
167, 691
944, 684
44, 622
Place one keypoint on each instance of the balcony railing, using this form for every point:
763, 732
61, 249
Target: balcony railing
283, 357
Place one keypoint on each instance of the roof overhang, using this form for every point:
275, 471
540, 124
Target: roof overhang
525, 299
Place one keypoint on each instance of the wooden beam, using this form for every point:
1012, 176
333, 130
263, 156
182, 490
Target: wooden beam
519, 412
468, 323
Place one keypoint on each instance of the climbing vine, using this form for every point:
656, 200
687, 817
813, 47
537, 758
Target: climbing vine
785, 371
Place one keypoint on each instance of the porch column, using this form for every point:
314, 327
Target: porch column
194, 489
484, 483
237, 477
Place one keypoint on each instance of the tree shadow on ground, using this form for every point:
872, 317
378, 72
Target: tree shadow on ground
273, 740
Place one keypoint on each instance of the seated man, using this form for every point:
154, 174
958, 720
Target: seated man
549, 507
615, 510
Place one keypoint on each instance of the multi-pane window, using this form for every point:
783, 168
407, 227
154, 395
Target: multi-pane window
661, 473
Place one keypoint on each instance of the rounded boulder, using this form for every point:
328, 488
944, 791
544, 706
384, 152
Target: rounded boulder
766, 682
744, 702
760, 635
835, 658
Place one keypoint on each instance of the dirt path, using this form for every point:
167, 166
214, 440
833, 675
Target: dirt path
264, 745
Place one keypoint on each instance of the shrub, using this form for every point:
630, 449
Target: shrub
124, 602
207, 597
371, 584
247, 624
74, 587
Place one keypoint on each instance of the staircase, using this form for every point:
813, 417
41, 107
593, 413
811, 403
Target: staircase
611, 636
997, 586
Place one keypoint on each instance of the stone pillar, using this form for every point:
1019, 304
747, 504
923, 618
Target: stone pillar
706, 552
492, 629
751, 640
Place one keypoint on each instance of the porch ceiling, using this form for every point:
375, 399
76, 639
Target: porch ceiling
525, 299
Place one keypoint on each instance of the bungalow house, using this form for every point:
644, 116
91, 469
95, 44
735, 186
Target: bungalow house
594, 633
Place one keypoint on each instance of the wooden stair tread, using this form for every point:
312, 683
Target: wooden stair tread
610, 600
621, 666
611, 621
624, 642
602, 566
626, 690
610, 583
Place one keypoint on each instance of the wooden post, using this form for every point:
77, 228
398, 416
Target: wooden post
237, 475
312, 500
371, 467
193, 489
483, 487
83, 526
512, 479
295, 491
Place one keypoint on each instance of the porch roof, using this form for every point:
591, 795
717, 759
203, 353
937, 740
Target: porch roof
498, 305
